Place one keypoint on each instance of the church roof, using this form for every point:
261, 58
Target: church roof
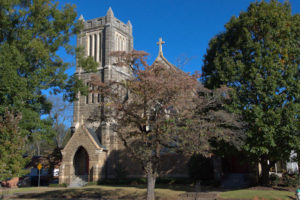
160, 59
95, 137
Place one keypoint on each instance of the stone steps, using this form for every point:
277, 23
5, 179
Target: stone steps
79, 181
198, 196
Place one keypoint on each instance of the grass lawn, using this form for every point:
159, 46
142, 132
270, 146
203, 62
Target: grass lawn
107, 192
251, 194
163, 192
27, 190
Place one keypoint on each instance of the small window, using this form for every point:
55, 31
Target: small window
93, 98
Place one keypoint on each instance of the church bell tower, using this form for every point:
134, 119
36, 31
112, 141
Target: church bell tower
88, 154
99, 38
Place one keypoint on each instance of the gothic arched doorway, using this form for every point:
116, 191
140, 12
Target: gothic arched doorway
81, 162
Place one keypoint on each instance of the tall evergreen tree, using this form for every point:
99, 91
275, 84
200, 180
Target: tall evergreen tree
258, 56
31, 33
12, 146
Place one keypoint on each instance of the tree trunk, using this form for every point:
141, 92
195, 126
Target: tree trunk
265, 168
151, 178
38, 148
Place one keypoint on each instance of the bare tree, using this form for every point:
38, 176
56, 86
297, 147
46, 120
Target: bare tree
152, 109
61, 114
182, 60
207, 122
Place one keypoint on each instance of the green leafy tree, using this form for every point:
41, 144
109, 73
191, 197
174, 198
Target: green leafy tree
40, 139
258, 56
31, 33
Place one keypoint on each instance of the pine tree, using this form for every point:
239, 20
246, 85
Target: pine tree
12, 146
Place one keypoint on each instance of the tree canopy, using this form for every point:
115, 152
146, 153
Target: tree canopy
155, 110
31, 33
258, 57
142, 107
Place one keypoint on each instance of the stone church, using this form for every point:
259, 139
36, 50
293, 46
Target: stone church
92, 153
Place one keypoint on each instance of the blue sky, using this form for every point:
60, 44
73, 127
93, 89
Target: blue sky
185, 25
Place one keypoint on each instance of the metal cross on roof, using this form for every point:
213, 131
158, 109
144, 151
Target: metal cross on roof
159, 43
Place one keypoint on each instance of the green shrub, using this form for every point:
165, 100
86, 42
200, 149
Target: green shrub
290, 180
91, 183
275, 179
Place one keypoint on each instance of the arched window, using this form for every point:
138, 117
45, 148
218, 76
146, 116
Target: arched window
91, 45
87, 96
117, 40
100, 47
88, 45
124, 45
95, 47
121, 45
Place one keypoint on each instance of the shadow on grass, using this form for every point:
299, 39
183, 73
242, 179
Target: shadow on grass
117, 192
184, 188
280, 189
80, 193
290, 197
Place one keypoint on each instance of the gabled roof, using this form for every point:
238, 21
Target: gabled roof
95, 137
160, 59
91, 135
